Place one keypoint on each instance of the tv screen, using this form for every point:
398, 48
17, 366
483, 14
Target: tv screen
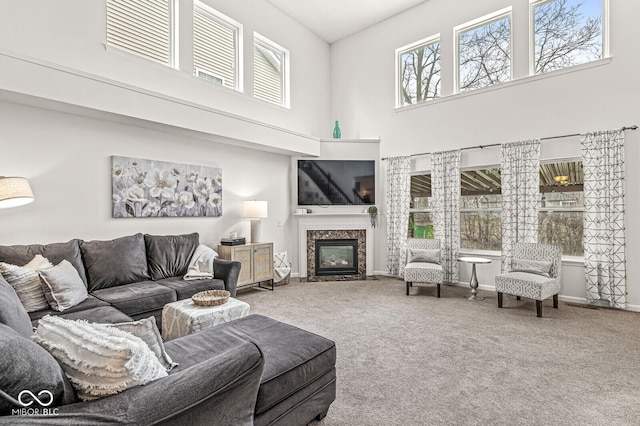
336, 182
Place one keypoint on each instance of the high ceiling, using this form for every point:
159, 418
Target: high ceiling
333, 20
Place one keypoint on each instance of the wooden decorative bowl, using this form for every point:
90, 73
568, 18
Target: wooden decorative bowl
211, 297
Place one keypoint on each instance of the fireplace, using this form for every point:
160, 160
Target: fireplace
336, 254
336, 257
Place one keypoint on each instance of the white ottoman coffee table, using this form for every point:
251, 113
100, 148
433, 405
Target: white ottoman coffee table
184, 317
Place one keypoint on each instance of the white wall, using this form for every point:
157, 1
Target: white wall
591, 98
72, 34
67, 159
98, 101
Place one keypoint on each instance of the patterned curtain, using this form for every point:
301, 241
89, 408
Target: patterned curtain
445, 191
604, 240
398, 200
520, 187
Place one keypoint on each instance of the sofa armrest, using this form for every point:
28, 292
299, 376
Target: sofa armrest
228, 271
221, 390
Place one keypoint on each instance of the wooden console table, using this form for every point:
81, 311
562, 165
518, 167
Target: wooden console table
256, 260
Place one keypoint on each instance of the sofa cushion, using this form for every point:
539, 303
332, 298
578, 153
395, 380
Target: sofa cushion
98, 359
294, 358
12, 312
186, 289
115, 262
62, 286
169, 255
100, 314
137, 298
26, 282
27, 366
88, 303
55, 252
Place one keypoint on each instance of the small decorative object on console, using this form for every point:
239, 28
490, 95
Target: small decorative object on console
233, 241
211, 297
336, 131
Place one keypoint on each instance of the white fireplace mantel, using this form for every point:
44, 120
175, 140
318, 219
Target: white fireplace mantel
332, 221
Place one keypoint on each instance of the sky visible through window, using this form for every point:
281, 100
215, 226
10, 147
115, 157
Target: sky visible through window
485, 54
567, 33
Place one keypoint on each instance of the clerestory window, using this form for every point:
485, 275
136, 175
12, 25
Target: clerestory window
483, 50
145, 28
217, 47
270, 71
566, 33
418, 71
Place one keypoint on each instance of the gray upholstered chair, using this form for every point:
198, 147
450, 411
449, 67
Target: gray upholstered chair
534, 274
423, 263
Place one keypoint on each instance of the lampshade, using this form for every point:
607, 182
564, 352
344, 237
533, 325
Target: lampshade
255, 209
14, 192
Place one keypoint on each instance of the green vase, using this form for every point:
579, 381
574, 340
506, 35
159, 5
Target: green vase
336, 131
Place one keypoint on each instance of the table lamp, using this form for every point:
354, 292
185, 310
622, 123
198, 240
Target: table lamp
255, 210
14, 192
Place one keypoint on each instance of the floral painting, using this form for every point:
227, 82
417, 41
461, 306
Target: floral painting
148, 188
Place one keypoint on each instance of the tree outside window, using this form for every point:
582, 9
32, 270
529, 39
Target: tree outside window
484, 53
420, 213
419, 72
481, 209
566, 33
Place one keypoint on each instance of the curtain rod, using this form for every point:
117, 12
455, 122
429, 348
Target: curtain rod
634, 127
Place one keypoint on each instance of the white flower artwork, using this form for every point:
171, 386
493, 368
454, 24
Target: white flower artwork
148, 188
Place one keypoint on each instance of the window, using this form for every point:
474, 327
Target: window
566, 33
560, 221
484, 51
144, 28
270, 71
420, 216
418, 71
216, 47
481, 209
561, 207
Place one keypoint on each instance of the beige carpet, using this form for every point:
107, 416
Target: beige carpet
419, 360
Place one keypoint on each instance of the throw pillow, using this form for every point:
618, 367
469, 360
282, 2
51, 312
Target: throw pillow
63, 286
26, 282
531, 266
281, 266
99, 360
12, 312
27, 366
147, 330
424, 256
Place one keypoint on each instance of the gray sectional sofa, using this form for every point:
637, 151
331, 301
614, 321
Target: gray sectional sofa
128, 277
254, 370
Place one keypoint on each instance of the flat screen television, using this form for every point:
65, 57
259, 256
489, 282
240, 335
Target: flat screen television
336, 182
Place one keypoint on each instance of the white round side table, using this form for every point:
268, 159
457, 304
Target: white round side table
473, 283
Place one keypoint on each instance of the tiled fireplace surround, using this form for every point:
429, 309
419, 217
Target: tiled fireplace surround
334, 226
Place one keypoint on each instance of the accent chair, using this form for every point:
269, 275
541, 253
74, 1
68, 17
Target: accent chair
534, 273
423, 263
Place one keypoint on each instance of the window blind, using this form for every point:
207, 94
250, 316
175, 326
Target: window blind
268, 78
214, 48
141, 27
